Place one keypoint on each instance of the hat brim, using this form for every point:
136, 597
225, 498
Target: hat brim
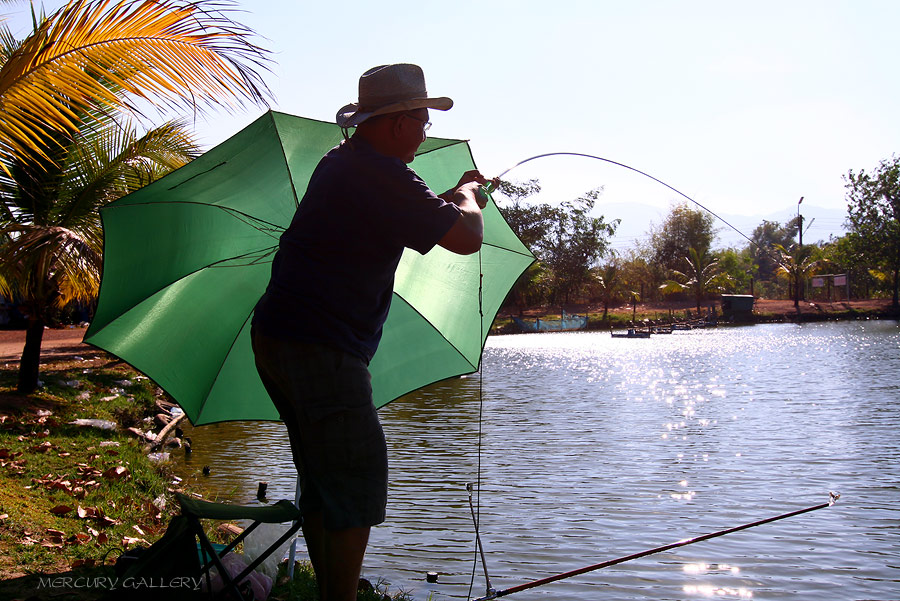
351, 116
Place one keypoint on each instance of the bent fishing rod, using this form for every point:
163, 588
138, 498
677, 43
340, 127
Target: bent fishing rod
489, 187
492, 594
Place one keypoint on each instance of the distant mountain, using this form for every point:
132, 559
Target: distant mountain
819, 223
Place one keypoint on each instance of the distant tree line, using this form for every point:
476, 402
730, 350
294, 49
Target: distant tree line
577, 265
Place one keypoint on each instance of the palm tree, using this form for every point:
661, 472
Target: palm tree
607, 280
701, 276
51, 253
104, 56
64, 150
796, 263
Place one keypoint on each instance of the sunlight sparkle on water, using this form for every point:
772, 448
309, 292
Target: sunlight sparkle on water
707, 590
703, 568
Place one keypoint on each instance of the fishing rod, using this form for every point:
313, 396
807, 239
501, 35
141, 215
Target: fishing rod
489, 187
832, 498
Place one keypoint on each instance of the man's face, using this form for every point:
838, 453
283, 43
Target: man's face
412, 132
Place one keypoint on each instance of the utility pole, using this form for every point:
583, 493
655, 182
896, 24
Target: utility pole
799, 250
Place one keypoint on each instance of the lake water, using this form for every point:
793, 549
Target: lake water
588, 448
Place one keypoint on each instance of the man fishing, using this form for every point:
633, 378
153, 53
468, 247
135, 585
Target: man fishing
320, 320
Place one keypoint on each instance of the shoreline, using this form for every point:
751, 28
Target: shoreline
65, 343
764, 311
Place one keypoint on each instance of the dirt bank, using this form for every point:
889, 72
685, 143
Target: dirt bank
58, 344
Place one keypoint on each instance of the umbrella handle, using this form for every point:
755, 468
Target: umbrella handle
485, 190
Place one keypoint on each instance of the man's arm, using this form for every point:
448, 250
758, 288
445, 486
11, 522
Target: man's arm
467, 233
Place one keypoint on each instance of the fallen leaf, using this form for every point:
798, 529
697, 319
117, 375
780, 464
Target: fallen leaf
117, 472
61, 510
83, 563
105, 521
128, 540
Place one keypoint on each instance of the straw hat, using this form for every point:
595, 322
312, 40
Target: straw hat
390, 89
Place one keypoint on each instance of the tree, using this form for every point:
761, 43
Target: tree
607, 281
701, 276
873, 216
764, 238
640, 273
739, 267
574, 244
531, 223
49, 218
102, 56
796, 263
683, 229
567, 241
64, 152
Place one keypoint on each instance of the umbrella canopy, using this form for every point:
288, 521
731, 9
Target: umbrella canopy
187, 257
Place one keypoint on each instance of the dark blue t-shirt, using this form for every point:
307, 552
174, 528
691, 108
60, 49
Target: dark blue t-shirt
333, 275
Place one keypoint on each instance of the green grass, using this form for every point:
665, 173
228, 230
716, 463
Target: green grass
73, 498
73, 495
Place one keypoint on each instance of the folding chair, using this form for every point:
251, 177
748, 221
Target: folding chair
195, 510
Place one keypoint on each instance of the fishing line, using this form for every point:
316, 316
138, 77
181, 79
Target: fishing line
489, 186
476, 515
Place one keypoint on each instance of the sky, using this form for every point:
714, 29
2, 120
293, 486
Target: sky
743, 107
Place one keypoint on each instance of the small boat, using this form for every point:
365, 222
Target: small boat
567, 323
630, 333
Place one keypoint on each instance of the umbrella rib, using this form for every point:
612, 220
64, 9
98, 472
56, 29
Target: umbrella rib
213, 168
430, 150
520, 253
254, 222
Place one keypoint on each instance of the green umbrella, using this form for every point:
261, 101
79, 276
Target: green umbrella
187, 257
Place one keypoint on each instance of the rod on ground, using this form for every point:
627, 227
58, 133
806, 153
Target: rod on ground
833, 497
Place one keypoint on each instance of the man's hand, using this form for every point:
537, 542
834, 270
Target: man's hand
469, 185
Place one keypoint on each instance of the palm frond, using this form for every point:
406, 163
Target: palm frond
104, 55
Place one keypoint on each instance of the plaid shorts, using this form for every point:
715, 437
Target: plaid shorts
324, 397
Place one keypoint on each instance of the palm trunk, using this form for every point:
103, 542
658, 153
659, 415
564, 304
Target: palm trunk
29, 364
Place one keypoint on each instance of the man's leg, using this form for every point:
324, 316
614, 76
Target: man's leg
336, 556
344, 552
314, 534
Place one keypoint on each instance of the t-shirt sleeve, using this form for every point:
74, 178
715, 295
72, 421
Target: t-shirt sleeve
417, 217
